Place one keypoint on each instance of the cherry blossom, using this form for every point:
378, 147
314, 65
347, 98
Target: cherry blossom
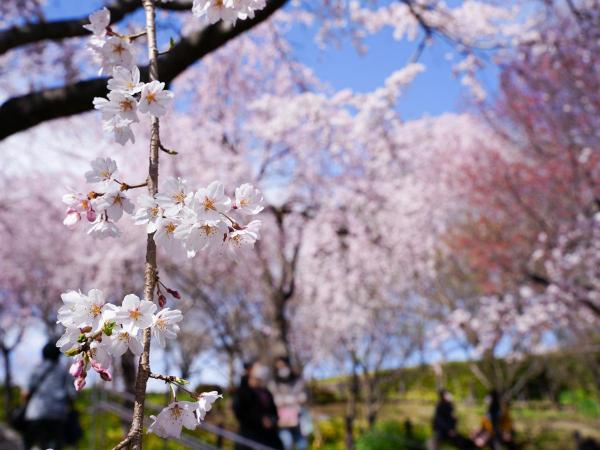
171, 419
165, 325
123, 340
211, 11
120, 128
117, 104
125, 81
103, 171
211, 201
155, 99
104, 228
149, 212
117, 52
135, 314
248, 199
205, 403
172, 196
99, 21
114, 202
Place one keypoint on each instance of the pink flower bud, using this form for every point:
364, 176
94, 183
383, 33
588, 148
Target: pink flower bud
174, 293
77, 368
79, 383
91, 215
162, 300
103, 372
105, 375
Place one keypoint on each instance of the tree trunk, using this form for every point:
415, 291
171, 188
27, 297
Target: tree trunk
8, 393
351, 408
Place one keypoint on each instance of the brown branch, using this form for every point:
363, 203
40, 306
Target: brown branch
29, 33
23, 112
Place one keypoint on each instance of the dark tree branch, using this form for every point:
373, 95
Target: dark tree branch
20, 113
30, 33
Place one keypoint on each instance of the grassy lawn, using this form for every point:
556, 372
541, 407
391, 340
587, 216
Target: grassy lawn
539, 425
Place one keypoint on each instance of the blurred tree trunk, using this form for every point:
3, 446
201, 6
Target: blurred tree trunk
352, 405
8, 392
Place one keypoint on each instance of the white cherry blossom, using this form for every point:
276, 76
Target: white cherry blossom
135, 314
117, 52
99, 21
114, 202
103, 229
165, 325
117, 104
211, 11
68, 312
248, 199
200, 235
123, 340
155, 99
209, 202
245, 238
165, 235
173, 196
205, 403
120, 128
88, 312
148, 213
125, 81
69, 339
171, 419
103, 171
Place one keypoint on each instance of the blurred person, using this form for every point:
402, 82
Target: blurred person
48, 402
290, 397
586, 443
255, 409
444, 424
496, 430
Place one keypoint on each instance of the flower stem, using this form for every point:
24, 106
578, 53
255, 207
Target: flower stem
137, 425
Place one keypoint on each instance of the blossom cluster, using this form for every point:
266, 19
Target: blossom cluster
229, 11
183, 221
102, 206
97, 331
127, 95
186, 221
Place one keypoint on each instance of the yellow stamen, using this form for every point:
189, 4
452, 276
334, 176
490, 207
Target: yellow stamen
179, 197
151, 97
96, 310
135, 314
126, 105
208, 204
170, 228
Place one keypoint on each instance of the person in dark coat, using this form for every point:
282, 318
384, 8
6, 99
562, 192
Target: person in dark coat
444, 422
50, 393
255, 409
